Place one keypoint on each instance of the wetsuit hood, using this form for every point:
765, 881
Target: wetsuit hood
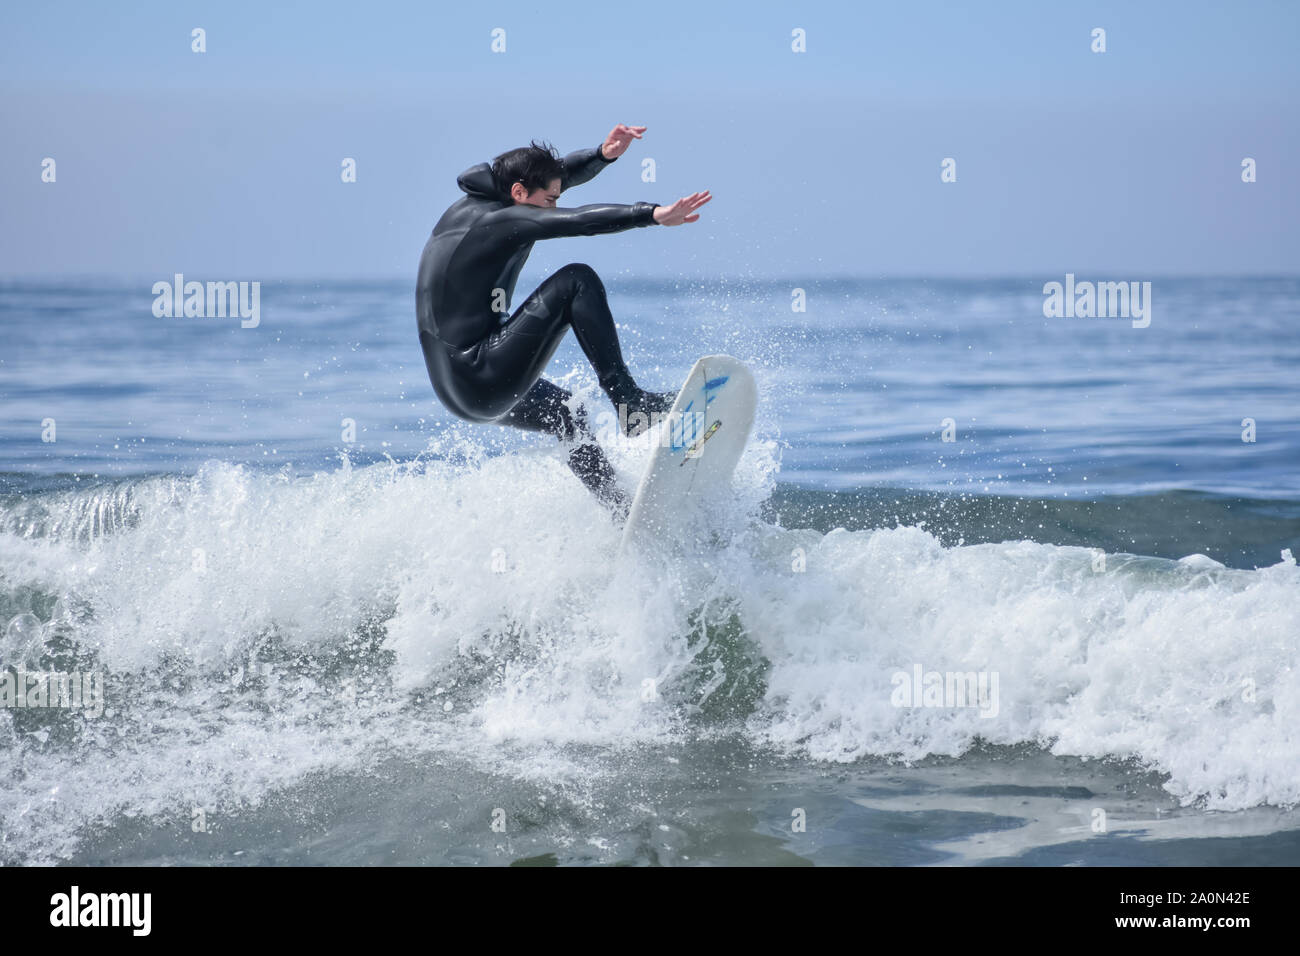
478, 181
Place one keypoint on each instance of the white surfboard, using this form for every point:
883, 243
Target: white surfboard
696, 450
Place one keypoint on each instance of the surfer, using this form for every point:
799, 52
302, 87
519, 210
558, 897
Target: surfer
486, 364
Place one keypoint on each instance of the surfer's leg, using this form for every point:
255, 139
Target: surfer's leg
545, 409
574, 297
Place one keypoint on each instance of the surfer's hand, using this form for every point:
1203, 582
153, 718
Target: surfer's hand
618, 140
683, 210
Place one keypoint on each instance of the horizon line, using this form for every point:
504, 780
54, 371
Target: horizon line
119, 279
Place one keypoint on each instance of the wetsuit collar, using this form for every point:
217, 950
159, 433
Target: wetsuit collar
478, 182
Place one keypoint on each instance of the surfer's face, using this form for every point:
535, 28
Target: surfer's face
538, 197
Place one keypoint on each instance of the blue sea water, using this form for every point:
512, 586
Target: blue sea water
340, 626
856, 386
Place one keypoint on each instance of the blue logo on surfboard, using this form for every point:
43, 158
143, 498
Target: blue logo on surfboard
689, 438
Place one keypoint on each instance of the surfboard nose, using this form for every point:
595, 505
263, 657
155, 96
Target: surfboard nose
692, 462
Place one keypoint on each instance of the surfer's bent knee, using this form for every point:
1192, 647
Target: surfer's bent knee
579, 272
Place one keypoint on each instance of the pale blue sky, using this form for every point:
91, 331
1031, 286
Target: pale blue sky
226, 164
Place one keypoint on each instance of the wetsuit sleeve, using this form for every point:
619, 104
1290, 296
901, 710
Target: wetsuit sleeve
530, 223
582, 165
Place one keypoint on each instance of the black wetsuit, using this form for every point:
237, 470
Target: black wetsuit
486, 367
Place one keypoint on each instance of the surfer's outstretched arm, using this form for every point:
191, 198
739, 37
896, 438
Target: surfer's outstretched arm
582, 165
524, 223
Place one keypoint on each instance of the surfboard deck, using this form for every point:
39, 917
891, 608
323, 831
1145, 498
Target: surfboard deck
696, 451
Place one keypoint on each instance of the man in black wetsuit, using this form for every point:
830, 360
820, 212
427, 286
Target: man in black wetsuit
486, 367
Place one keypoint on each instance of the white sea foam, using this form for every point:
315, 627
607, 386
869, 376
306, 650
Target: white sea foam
506, 630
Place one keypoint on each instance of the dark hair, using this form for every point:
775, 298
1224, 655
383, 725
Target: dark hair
534, 165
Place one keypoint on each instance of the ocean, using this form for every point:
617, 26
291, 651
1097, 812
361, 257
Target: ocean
992, 588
